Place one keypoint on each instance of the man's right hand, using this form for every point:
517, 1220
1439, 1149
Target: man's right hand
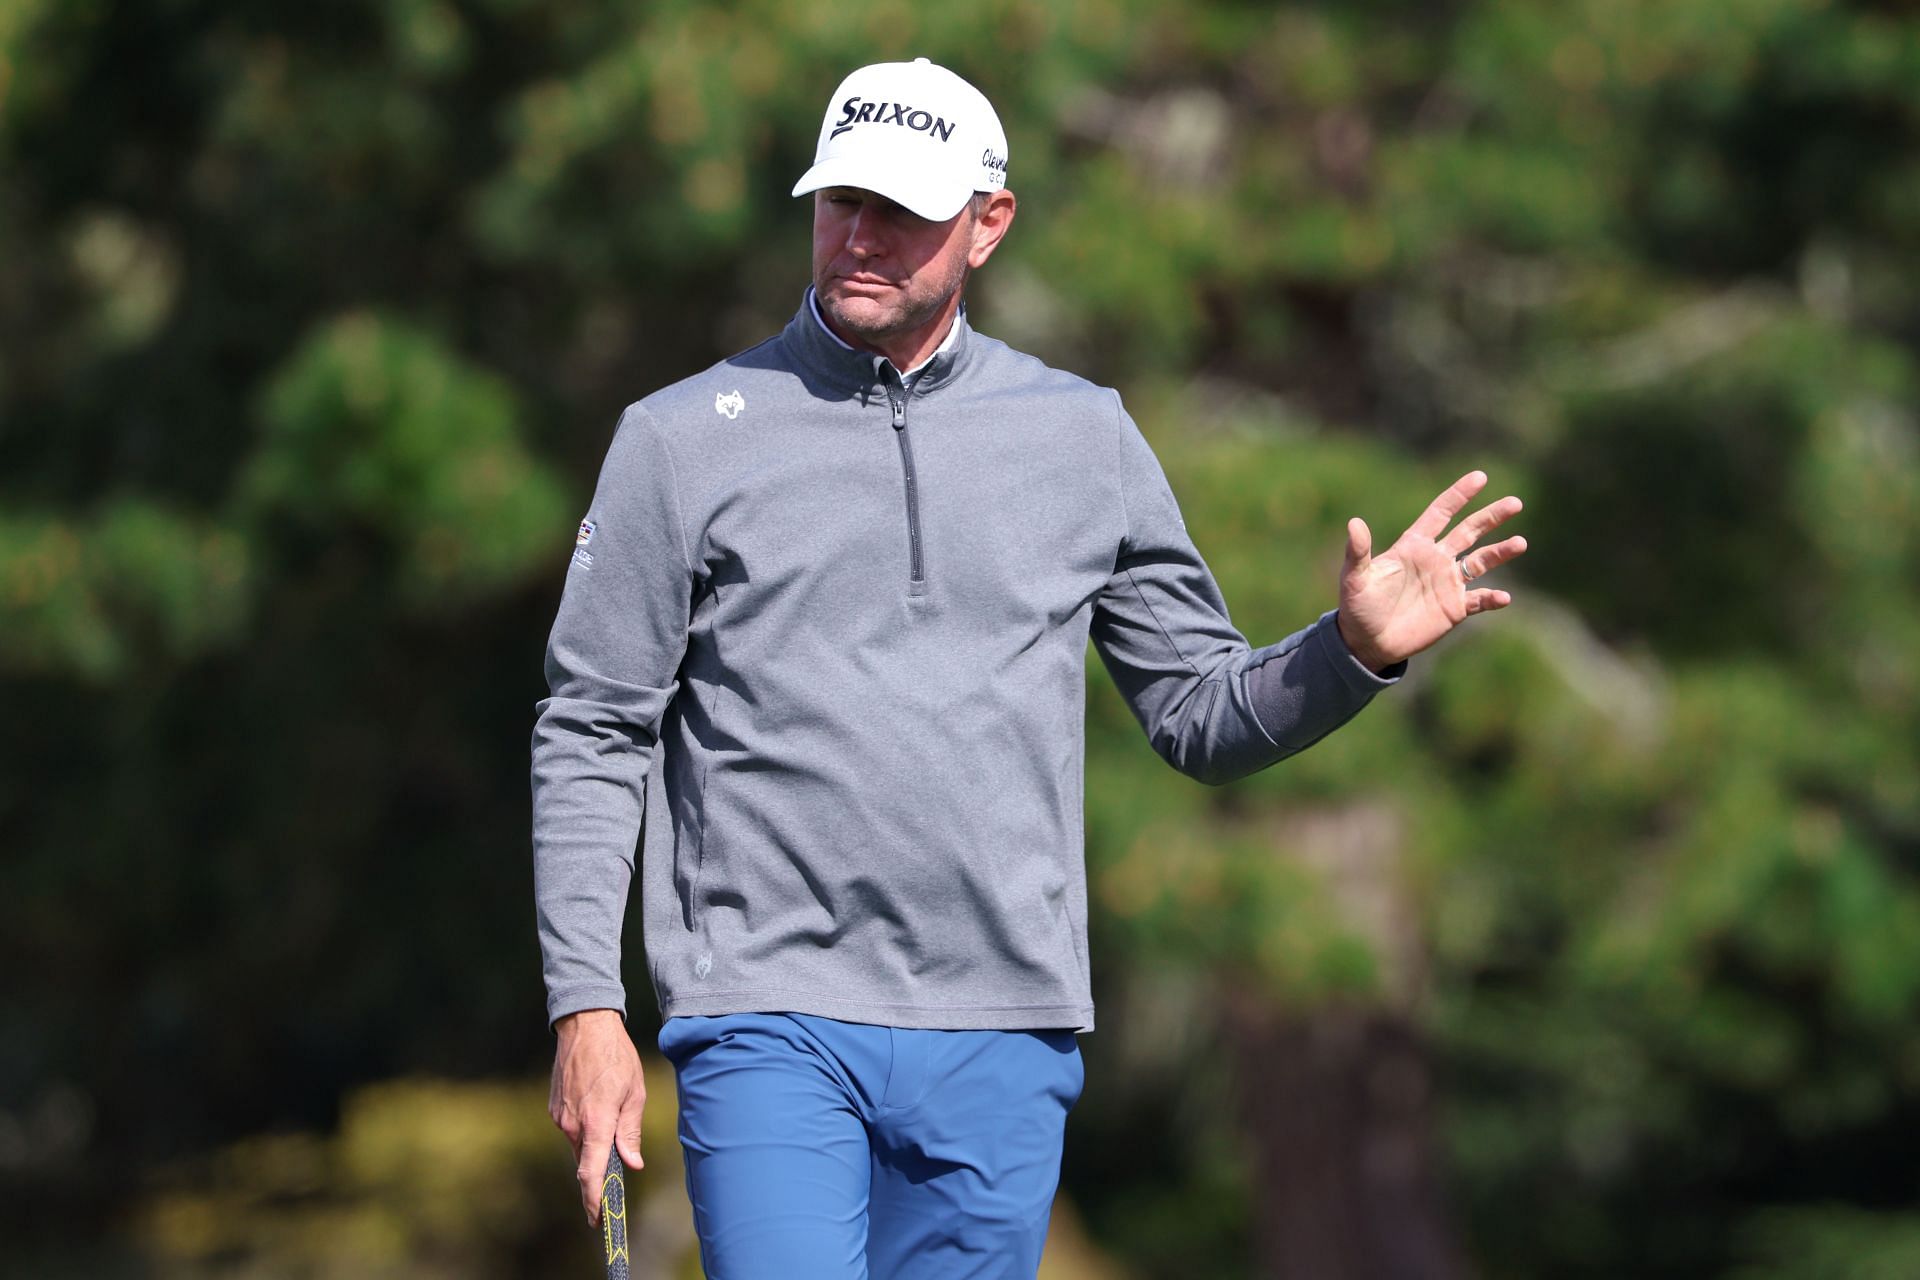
597, 1097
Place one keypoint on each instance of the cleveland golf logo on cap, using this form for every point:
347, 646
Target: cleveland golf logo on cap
854, 112
993, 168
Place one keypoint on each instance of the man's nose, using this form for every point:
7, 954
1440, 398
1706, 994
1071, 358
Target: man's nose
863, 239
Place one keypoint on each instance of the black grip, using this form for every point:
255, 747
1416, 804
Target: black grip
613, 1216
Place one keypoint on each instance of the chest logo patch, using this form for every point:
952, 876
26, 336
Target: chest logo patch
729, 403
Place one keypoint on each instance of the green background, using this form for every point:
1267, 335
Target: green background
1593, 949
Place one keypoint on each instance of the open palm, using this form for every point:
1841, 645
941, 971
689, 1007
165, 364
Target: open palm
1397, 603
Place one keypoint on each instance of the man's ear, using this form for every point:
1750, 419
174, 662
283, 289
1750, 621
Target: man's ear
990, 226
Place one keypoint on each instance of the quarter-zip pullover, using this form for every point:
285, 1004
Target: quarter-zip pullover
826, 631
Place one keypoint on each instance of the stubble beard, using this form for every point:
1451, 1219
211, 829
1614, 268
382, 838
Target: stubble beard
875, 323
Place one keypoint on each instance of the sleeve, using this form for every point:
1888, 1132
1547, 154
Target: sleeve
612, 665
1213, 707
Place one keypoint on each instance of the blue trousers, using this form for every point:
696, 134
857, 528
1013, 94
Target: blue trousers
826, 1150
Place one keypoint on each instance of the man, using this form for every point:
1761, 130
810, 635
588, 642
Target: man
836, 591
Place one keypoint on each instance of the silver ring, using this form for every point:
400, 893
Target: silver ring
1466, 574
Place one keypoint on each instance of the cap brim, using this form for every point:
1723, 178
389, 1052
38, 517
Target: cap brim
933, 201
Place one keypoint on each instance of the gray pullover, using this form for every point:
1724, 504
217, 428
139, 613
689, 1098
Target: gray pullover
828, 634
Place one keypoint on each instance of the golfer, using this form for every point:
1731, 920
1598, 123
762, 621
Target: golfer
825, 628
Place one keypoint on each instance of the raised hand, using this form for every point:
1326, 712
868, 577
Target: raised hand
1397, 603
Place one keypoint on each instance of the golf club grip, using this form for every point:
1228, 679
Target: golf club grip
613, 1216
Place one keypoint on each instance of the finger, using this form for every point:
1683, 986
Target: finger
1486, 600
1487, 559
1480, 524
591, 1172
1359, 546
1441, 511
567, 1122
626, 1132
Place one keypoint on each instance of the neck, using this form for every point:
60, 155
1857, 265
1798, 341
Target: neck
907, 349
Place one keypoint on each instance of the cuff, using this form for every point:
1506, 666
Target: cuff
1358, 676
594, 996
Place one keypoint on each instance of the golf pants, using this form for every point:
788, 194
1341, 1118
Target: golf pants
826, 1150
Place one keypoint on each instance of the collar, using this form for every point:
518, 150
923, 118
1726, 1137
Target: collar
819, 350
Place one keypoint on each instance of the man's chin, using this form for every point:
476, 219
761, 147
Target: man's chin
861, 315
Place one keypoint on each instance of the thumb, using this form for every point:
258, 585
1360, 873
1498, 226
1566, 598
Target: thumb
1359, 547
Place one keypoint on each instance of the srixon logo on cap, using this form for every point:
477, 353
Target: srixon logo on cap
853, 111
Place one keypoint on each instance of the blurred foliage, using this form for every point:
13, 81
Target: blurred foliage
374, 425
423, 1178
428, 1178
313, 327
82, 595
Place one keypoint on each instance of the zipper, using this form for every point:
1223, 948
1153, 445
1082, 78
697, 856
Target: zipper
916, 571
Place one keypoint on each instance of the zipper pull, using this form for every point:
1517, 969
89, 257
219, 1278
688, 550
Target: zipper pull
899, 410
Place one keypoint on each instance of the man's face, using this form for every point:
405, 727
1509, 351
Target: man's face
881, 270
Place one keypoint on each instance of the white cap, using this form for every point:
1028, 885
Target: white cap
914, 132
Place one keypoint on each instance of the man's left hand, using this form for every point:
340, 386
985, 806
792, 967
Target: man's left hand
1397, 603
